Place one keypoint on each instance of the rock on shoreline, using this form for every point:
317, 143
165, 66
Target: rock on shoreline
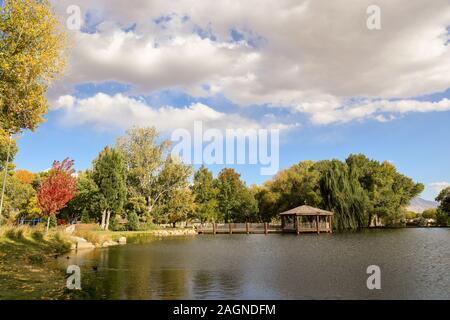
79, 243
174, 232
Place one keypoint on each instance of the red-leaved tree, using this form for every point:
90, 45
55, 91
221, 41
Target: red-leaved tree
57, 189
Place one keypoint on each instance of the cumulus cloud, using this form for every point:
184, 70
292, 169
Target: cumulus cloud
106, 112
310, 56
383, 110
437, 187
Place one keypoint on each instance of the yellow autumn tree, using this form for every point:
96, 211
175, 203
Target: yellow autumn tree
32, 55
24, 176
32, 46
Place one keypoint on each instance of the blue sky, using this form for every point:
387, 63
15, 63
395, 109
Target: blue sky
311, 69
416, 143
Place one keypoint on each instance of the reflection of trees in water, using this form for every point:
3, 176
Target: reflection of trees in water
124, 276
169, 284
225, 284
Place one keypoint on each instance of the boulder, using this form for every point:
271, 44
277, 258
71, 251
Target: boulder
77, 239
84, 245
70, 229
109, 243
81, 243
122, 240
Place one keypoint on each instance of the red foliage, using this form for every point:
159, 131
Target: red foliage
58, 189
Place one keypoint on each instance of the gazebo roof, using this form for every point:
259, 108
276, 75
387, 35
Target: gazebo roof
307, 211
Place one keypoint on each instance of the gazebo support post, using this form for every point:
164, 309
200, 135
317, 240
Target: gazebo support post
331, 224
317, 224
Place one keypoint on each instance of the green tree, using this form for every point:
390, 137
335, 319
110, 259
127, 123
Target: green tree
296, 186
388, 191
267, 201
85, 218
110, 176
176, 206
235, 201
18, 199
442, 218
136, 209
87, 201
133, 221
173, 176
205, 194
248, 207
444, 200
145, 159
342, 194
429, 214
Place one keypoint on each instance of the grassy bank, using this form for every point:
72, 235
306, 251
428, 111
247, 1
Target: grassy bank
27, 263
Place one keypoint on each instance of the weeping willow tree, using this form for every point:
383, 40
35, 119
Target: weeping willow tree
343, 194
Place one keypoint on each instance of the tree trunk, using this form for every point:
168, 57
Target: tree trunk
103, 220
5, 175
48, 224
107, 220
149, 204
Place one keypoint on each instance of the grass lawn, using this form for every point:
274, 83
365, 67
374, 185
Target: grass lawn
27, 264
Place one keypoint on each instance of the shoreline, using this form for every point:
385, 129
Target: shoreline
94, 239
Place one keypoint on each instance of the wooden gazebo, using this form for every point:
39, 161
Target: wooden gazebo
307, 219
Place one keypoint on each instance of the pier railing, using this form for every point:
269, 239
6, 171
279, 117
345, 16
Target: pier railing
221, 228
261, 228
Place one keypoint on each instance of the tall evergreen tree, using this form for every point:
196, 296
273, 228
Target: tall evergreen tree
110, 176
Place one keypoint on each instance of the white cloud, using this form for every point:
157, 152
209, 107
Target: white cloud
437, 187
313, 56
383, 110
106, 112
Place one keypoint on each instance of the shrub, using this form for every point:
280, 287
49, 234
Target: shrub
59, 243
115, 224
133, 221
85, 217
15, 233
36, 258
53, 221
38, 234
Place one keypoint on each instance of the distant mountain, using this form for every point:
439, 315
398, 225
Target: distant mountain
419, 205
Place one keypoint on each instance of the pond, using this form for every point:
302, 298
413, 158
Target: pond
414, 263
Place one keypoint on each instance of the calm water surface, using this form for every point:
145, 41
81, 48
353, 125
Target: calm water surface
415, 264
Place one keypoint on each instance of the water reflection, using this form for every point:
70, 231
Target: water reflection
415, 264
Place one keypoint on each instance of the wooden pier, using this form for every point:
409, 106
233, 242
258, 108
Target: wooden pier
303, 219
239, 228
257, 228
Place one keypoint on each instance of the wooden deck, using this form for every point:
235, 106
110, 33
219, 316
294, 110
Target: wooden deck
259, 228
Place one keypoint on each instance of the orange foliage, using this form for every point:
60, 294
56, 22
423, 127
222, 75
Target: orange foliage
25, 176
